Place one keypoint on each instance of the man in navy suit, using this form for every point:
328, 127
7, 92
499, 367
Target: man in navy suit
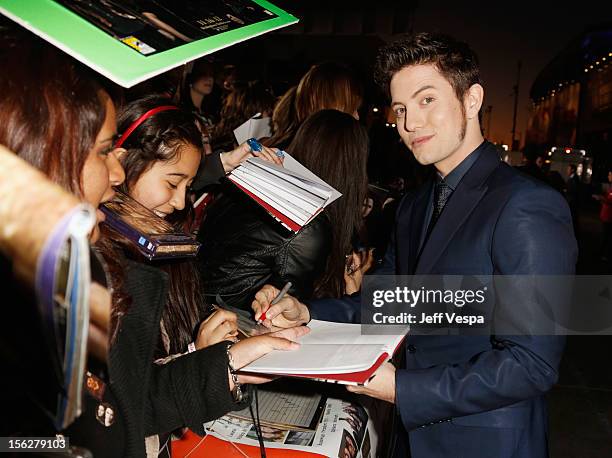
460, 395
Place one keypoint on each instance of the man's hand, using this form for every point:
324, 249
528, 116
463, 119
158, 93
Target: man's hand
381, 386
286, 313
233, 159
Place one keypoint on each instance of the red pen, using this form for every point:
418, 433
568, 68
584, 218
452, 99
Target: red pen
278, 297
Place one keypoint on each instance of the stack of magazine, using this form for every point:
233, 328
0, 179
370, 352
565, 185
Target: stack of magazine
291, 193
153, 236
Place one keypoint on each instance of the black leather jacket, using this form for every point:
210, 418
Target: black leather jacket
243, 248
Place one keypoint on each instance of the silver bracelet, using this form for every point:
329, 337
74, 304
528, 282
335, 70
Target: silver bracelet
237, 392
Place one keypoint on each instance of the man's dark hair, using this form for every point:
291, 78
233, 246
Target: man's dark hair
453, 59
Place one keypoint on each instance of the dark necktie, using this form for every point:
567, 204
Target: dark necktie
442, 192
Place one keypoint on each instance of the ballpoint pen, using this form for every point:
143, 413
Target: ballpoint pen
278, 297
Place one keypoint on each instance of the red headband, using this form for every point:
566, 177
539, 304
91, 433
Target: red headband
140, 120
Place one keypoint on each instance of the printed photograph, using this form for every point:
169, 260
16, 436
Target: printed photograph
303, 438
366, 447
348, 446
357, 418
269, 434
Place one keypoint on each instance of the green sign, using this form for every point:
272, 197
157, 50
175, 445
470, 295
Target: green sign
129, 41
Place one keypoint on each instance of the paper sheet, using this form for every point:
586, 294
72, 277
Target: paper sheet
256, 127
329, 348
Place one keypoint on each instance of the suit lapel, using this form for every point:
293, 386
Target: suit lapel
415, 227
456, 211
460, 205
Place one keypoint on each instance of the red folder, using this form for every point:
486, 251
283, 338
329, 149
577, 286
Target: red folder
285, 220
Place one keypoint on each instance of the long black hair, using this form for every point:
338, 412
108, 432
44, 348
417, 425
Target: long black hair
334, 146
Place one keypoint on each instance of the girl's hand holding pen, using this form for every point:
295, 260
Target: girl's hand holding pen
287, 313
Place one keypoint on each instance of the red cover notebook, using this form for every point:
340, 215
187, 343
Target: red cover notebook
349, 378
332, 352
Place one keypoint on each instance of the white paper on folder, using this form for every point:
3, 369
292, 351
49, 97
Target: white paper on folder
313, 198
293, 170
291, 164
256, 127
329, 348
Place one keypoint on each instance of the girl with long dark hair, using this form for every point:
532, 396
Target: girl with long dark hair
244, 247
162, 149
160, 161
334, 147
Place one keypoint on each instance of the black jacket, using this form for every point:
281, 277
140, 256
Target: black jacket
243, 248
153, 399
209, 172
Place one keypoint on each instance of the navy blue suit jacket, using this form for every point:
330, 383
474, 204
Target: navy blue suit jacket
475, 395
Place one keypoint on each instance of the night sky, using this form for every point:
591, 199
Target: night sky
500, 32
503, 33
